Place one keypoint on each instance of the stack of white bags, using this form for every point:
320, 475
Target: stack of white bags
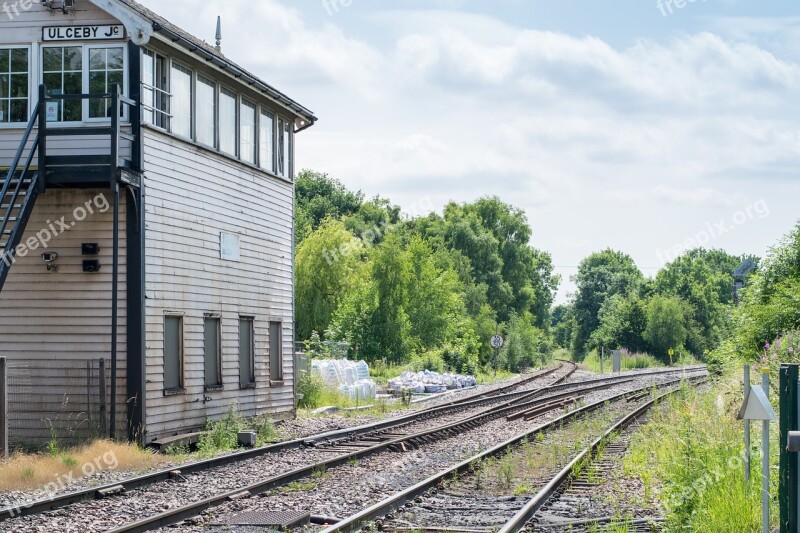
430, 382
350, 377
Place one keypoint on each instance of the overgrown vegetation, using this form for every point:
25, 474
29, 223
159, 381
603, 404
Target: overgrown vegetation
699, 477
222, 435
429, 290
35, 471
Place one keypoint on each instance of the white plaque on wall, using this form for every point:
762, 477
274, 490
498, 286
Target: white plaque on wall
229, 247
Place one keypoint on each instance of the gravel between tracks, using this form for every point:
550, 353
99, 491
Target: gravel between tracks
344, 488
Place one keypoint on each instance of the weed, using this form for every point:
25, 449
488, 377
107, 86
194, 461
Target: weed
523, 489
506, 471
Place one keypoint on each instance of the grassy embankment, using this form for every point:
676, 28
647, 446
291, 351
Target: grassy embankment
689, 457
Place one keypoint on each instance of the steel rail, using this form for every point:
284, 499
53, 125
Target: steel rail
97, 492
401, 498
519, 521
190, 510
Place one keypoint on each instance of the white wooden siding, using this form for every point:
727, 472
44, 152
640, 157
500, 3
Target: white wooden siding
65, 315
193, 195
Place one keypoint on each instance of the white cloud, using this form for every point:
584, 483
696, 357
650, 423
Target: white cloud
603, 145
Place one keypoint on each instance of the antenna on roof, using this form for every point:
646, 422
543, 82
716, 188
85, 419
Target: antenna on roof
219, 34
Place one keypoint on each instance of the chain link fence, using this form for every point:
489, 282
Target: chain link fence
58, 399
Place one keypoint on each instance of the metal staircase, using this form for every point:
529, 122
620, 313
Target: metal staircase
24, 183
17, 198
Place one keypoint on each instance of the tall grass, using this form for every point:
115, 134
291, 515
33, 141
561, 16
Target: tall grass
36, 471
689, 456
633, 361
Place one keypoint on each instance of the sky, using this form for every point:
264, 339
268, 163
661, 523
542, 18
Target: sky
636, 125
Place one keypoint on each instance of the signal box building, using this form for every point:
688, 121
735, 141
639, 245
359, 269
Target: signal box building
147, 221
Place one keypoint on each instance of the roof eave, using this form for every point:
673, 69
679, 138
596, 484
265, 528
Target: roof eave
308, 117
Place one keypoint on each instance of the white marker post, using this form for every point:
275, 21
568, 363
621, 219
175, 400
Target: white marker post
757, 407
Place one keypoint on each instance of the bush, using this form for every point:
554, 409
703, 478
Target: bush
432, 360
310, 386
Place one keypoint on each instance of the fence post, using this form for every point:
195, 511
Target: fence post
102, 380
789, 462
4, 408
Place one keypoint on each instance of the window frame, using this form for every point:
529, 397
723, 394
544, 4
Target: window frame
160, 108
263, 111
244, 102
282, 127
276, 378
181, 388
173, 63
219, 385
85, 47
216, 135
251, 320
224, 89
32, 67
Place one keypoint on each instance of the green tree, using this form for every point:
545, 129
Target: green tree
600, 276
623, 320
324, 266
317, 197
666, 325
434, 297
704, 280
526, 345
770, 307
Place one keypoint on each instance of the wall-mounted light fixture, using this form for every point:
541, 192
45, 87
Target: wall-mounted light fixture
49, 259
66, 6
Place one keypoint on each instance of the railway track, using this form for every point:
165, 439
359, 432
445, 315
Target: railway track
315, 454
437, 503
565, 369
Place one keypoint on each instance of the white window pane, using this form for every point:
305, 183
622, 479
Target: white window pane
227, 122
148, 86
181, 107
247, 132
267, 141
206, 111
287, 153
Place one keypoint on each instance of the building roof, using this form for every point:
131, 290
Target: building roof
211, 54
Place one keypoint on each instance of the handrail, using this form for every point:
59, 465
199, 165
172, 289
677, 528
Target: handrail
14, 196
25, 138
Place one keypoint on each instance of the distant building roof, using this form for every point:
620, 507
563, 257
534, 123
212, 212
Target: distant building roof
211, 54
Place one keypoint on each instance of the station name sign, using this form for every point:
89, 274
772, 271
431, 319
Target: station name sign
83, 33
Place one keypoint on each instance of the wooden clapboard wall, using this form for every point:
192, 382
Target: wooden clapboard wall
194, 195
63, 318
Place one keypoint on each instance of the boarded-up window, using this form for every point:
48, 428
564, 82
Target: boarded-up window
211, 347
247, 373
173, 352
275, 351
